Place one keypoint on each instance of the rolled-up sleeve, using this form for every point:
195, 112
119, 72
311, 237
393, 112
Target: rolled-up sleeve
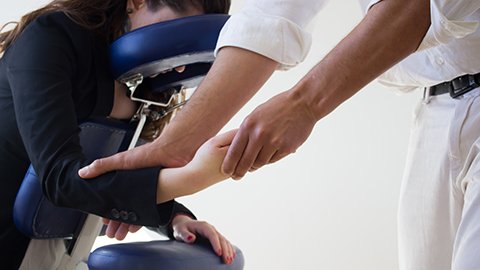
276, 29
450, 20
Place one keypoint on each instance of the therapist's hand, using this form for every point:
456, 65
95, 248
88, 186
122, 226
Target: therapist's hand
147, 155
229, 84
271, 132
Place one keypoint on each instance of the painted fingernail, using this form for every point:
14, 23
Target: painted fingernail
189, 238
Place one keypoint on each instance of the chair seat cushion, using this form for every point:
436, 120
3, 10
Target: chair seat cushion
168, 255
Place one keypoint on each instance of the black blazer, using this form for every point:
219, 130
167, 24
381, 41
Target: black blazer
55, 75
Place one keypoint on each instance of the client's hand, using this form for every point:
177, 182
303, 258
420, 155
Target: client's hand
200, 173
206, 164
186, 229
119, 230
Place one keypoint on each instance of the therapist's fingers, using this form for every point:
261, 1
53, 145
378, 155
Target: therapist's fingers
235, 152
103, 165
138, 157
264, 157
248, 158
147, 155
278, 156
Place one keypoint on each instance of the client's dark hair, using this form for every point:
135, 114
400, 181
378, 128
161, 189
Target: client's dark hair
106, 17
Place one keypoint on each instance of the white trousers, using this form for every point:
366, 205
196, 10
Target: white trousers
43, 254
439, 210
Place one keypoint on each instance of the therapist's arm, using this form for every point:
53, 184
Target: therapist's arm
392, 30
226, 88
234, 78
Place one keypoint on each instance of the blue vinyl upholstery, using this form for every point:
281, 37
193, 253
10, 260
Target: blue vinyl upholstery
31, 208
162, 46
37, 217
159, 255
148, 51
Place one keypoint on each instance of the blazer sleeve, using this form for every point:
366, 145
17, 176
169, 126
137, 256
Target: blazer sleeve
178, 209
41, 73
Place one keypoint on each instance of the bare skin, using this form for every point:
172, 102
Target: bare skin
202, 172
185, 229
391, 31
176, 182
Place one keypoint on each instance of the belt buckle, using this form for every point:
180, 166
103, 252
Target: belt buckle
426, 95
471, 84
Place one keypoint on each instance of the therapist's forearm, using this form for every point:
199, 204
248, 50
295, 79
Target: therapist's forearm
226, 88
392, 30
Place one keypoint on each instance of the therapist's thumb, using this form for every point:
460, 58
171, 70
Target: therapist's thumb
96, 168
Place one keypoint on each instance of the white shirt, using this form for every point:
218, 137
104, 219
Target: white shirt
278, 29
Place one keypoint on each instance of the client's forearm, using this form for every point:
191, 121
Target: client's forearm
200, 173
178, 182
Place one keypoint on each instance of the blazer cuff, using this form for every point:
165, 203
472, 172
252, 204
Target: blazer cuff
168, 211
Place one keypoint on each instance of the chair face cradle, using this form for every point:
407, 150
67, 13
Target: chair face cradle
144, 60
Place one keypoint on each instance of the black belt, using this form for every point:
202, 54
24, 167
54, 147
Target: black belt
456, 87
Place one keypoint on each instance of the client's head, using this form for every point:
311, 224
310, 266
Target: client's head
108, 17
145, 12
